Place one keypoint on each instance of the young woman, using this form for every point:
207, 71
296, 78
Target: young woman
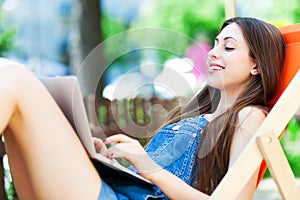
187, 158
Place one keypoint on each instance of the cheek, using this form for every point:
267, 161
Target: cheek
239, 67
235, 76
237, 72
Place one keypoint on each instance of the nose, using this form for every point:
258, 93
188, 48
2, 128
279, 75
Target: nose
213, 53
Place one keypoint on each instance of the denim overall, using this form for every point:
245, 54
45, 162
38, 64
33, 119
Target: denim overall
174, 148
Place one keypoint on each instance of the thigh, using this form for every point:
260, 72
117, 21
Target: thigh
48, 149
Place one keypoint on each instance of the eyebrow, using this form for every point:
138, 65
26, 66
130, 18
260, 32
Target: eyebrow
226, 38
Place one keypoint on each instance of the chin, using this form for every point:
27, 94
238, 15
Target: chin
217, 84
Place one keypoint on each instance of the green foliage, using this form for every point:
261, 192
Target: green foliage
293, 130
6, 35
6, 39
294, 161
111, 26
291, 145
191, 18
8, 183
297, 12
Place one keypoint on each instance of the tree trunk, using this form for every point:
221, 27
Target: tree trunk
86, 35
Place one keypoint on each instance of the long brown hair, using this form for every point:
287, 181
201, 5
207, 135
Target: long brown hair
267, 49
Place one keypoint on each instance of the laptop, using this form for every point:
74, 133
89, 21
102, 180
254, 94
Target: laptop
67, 93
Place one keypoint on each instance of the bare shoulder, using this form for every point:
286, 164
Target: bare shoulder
252, 112
250, 118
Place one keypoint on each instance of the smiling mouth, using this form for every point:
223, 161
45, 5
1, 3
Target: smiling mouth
215, 68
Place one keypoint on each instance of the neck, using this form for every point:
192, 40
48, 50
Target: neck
226, 101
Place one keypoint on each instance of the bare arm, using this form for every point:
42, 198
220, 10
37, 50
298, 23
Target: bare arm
174, 187
249, 119
170, 184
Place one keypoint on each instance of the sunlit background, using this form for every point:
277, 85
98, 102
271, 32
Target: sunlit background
43, 34
53, 38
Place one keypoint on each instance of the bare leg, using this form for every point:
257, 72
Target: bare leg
43, 150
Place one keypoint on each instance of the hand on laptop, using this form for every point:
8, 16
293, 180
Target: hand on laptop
100, 146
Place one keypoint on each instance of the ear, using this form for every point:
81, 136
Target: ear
254, 71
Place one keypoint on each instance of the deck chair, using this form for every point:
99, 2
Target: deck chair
264, 149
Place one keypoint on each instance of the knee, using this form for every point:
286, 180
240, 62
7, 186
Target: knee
14, 75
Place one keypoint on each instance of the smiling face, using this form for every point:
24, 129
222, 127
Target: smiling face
229, 63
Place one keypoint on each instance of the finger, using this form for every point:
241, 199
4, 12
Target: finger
118, 138
115, 152
99, 146
126, 150
121, 150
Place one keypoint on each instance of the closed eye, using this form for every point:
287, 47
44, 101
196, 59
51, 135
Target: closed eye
229, 48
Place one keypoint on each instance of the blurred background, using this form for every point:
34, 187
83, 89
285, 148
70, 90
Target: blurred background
54, 37
57, 37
